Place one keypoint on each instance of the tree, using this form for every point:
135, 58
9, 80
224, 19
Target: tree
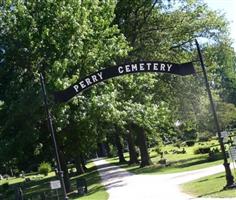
65, 41
165, 30
223, 68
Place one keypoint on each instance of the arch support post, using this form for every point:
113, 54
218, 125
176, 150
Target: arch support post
50, 126
229, 177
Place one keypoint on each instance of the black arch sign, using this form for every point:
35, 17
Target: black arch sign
130, 68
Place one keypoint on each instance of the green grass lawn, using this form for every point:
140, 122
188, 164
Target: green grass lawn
210, 186
185, 164
39, 184
178, 162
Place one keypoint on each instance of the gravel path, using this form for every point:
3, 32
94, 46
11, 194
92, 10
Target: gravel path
123, 185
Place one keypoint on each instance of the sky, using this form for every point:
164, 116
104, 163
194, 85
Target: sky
228, 7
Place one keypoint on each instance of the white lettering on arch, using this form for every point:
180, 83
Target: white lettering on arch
120, 70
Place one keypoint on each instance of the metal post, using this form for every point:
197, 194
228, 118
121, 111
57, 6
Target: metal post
50, 126
229, 177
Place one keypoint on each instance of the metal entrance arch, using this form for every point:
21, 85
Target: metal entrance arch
124, 69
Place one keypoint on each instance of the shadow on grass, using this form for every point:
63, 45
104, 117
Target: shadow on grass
210, 193
173, 166
204, 180
91, 191
222, 176
218, 190
190, 162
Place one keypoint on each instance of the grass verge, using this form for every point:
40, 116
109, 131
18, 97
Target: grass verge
209, 186
181, 166
95, 189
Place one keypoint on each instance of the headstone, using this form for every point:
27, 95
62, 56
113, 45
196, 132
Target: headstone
232, 152
234, 140
224, 134
225, 139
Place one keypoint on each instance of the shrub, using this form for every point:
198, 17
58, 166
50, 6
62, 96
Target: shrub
44, 168
213, 155
202, 150
190, 143
204, 136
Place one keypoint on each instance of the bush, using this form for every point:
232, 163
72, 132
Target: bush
190, 143
202, 150
44, 168
214, 155
204, 136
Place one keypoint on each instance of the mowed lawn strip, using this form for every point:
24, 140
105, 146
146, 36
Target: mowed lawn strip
182, 165
209, 186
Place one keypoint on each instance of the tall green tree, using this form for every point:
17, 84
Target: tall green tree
165, 30
65, 41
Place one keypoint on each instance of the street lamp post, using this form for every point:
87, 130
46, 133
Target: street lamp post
229, 177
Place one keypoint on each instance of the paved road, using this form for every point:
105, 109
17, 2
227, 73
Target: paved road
123, 185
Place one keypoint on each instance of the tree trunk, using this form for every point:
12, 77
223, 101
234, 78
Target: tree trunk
119, 147
83, 163
78, 165
101, 150
142, 142
65, 170
133, 156
108, 150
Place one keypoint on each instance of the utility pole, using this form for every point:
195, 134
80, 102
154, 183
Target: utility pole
229, 176
50, 126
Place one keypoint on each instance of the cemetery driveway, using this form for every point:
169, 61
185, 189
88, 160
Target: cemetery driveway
123, 185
